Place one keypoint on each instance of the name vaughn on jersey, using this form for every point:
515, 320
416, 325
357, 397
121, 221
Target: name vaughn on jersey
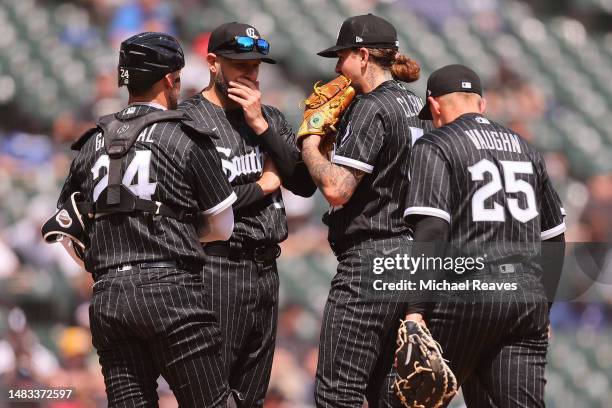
443, 285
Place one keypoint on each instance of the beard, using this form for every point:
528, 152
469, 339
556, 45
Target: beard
221, 85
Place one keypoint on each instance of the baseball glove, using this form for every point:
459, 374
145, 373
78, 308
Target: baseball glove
324, 108
424, 380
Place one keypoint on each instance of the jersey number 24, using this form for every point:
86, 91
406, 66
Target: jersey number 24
140, 165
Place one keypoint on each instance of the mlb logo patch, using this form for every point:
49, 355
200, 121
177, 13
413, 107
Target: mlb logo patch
129, 111
466, 85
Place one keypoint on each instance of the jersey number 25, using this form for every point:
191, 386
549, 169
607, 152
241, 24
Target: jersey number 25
513, 185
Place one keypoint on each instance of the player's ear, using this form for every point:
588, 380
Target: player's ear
364, 55
482, 105
213, 62
168, 80
434, 106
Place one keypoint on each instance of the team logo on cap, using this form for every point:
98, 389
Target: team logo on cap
466, 85
251, 32
63, 219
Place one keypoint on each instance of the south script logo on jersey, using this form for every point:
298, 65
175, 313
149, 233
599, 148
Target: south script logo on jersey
238, 165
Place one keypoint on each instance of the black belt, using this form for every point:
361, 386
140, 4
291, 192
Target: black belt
259, 254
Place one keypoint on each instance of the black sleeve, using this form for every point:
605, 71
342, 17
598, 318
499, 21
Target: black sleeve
300, 183
279, 142
426, 231
247, 194
552, 258
281, 153
551, 209
431, 229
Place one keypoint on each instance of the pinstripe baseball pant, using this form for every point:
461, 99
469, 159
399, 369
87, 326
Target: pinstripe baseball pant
357, 344
151, 321
496, 346
244, 296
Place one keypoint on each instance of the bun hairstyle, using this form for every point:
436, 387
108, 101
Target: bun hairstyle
402, 68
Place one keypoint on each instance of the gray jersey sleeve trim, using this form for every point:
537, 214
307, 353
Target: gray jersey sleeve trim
355, 164
553, 232
433, 212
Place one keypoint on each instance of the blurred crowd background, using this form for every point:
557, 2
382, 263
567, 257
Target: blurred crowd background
547, 69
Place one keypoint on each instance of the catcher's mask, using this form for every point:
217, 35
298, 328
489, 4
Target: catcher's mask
146, 57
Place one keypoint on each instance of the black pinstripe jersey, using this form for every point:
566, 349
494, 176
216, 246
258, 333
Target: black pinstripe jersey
263, 222
489, 184
165, 164
375, 136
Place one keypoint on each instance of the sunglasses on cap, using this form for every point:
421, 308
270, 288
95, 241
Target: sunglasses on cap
246, 44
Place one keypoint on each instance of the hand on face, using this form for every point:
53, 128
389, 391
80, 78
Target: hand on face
246, 93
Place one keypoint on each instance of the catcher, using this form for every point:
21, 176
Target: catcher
364, 178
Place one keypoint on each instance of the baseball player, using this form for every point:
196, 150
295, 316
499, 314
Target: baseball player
258, 153
364, 182
481, 187
128, 209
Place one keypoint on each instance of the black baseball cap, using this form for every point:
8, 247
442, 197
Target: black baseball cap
222, 38
449, 79
368, 31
